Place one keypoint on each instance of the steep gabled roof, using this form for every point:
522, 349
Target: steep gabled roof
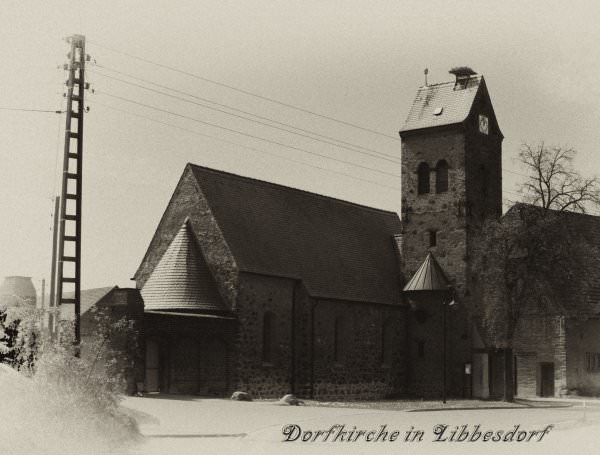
89, 298
338, 249
442, 104
582, 291
181, 280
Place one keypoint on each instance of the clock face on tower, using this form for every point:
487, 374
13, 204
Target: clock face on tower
483, 124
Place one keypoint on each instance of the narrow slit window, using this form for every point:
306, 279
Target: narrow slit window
423, 178
268, 337
432, 238
441, 177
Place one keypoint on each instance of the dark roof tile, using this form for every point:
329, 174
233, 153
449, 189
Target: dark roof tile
339, 249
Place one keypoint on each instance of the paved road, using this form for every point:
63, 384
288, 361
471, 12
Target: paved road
211, 426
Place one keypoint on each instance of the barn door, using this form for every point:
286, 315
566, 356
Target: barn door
547, 374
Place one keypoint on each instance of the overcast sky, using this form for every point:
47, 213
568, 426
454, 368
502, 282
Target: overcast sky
359, 62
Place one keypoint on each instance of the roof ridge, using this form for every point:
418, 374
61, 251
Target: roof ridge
477, 76
560, 212
281, 187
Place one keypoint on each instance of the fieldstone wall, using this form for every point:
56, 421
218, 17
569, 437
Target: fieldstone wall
259, 294
447, 214
360, 369
188, 201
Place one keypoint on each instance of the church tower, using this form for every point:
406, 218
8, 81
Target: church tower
451, 182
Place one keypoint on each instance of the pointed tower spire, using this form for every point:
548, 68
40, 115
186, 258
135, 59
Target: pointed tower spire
182, 279
429, 277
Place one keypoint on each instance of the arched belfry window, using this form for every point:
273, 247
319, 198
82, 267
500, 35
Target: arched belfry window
268, 337
423, 178
441, 177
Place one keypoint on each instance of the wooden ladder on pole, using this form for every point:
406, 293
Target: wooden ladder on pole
68, 286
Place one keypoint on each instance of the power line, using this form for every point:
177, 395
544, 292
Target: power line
246, 92
245, 146
214, 125
349, 146
49, 111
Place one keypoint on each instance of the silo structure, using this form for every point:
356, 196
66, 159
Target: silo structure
17, 287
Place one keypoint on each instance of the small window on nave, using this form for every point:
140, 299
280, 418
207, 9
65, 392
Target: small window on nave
268, 337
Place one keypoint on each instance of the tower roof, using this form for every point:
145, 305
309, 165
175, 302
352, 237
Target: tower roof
181, 279
443, 104
429, 277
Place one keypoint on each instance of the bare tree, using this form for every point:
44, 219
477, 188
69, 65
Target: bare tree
553, 182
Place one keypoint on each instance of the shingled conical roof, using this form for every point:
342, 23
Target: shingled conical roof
182, 280
429, 277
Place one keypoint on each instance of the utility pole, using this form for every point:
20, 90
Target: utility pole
43, 305
52, 302
69, 239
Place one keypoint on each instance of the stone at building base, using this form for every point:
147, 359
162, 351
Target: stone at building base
241, 396
291, 400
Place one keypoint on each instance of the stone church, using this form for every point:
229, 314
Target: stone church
248, 285
253, 286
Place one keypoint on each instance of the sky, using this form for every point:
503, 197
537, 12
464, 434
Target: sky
357, 62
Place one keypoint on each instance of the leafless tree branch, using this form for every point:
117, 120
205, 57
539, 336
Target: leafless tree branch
553, 181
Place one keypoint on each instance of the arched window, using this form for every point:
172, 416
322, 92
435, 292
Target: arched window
268, 337
441, 177
387, 343
423, 176
339, 340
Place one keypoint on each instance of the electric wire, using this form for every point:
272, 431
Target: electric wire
246, 92
244, 146
214, 125
318, 137
249, 113
48, 111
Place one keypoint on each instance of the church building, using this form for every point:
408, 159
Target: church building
248, 285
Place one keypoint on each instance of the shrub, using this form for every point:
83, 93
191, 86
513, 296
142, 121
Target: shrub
60, 403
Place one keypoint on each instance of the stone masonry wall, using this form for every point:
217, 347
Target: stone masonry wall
445, 213
188, 201
257, 295
360, 370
